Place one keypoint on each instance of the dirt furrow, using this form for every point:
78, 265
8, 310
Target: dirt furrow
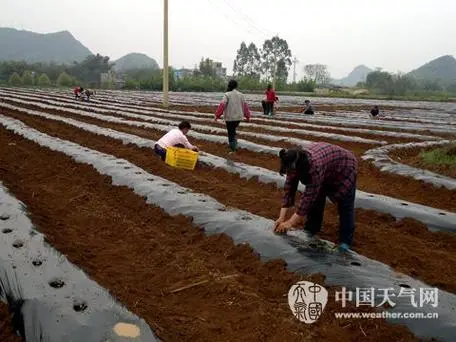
414, 250
140, 254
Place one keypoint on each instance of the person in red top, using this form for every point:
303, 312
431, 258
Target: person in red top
268, 103
327, 171
77, 92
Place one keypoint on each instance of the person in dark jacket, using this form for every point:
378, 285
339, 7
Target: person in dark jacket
308, 109
326, 171
374, 112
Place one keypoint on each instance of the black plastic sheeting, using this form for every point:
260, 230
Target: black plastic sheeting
435, 219
51, 299
355, 271
381, 159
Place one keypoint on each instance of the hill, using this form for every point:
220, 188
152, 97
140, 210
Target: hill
442, 70
358, 74
59, 47
135, 61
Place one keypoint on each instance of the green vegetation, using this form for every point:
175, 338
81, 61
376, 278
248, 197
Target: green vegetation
440, 156
15, 80
86, 72
43, 81
27, 79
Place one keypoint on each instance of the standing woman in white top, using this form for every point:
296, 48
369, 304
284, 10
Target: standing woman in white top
233, 108
174, 138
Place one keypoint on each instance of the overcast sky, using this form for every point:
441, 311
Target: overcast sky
398, 35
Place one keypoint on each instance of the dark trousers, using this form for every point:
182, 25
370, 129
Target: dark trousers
231, 127
268, 107
161, 152
346, 209
309, 112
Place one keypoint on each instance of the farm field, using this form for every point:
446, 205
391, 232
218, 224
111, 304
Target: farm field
192, 253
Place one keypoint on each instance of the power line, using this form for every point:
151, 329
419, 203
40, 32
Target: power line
247, 19
237, 23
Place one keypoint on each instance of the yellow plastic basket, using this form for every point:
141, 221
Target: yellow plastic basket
181, 158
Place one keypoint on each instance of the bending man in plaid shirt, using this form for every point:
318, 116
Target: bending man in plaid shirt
327, 171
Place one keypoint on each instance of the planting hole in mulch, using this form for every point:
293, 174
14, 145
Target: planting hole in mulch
37, 263
355, 263
202, 200
404, 204
127, 167
442, 214
4, 217
18, 244
151, 179
57, 283
246, 218
79, 306
406, 286
138, 173
7, 230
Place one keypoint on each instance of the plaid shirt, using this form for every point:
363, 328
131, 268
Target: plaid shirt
332, 171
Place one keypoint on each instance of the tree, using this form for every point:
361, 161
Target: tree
275, 50
43, 81
240, 63
253, 67
207, 67
65, 80
248, 61
15, 80
89, 70
27, 78
317, 73
380, 80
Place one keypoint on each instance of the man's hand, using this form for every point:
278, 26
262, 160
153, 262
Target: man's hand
195, 149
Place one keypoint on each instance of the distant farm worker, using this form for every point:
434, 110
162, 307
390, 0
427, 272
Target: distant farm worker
326, 171
233, 108
77, 92
308, 109
177, 137
88, 93
271, 98
374, 112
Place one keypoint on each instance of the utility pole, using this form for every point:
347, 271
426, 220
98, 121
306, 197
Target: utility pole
295, 61
165, 56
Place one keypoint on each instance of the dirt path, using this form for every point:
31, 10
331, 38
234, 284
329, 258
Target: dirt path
140, 254
370, 178
414, 250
